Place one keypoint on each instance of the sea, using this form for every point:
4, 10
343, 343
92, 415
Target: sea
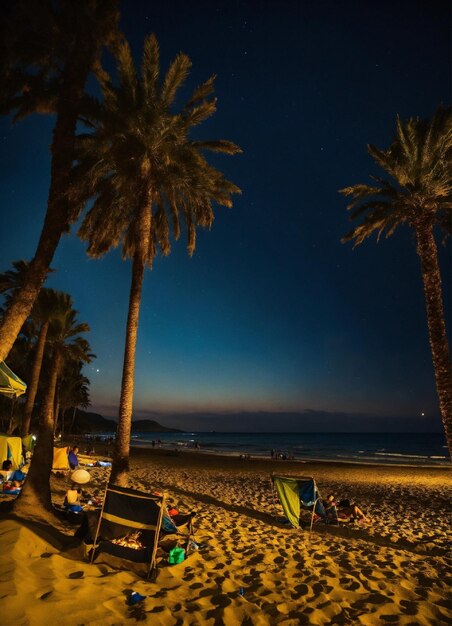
388, 448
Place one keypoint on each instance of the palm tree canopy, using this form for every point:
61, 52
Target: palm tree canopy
42, 41
14, 278
65, 330
138, 150
420, 190
74, 387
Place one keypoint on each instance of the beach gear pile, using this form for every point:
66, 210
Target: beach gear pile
11, 451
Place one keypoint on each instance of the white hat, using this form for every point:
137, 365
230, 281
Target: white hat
80, 476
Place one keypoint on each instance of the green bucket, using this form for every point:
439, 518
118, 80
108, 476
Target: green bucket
176, 555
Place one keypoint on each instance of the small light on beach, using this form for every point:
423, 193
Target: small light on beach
422, 414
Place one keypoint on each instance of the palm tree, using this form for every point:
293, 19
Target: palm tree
46, 305
44, 310
66, 345
10, 281
74, 392
420, 196
142, 168
49, 49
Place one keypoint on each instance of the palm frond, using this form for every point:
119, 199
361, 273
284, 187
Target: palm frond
150, 67
202, 92
200, 113
126, 71
221, 145
175, 78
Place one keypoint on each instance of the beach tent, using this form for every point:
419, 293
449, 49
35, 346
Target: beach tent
10, 384
11, 448
28, 443
295, 494
133, 518
60, 459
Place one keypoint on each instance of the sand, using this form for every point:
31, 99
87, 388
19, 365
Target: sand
394, 571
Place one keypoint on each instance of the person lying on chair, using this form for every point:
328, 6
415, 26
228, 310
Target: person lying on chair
344, 508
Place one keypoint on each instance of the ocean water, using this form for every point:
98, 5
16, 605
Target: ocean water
391, 448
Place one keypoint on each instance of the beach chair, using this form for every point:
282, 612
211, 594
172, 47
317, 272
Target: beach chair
129, 525
297, 494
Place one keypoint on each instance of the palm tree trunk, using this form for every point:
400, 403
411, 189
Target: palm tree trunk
58, 217
73, 420
34, 379
10, 428
36, 497
428, 254
120, 468
63, 418
56, 409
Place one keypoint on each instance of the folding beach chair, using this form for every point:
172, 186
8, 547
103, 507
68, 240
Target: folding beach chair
297, 494
126, 512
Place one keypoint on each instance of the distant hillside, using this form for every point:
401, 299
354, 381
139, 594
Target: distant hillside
86, 422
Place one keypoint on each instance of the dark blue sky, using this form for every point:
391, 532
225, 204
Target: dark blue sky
273, 313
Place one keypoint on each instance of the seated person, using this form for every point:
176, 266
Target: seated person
12, 475
72, 458
344, 509
72, 499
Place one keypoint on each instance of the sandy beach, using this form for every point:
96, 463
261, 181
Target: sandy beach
394, 571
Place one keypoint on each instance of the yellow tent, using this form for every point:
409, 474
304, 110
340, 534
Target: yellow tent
28, 443
10, 384
60, 459
11, 448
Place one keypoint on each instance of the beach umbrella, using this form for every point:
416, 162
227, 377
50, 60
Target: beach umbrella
81, 477
10, 384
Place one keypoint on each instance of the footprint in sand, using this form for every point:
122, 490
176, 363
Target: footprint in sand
349, 584
408, 607
221, 600
157, 609
196, 586
317, 588
46, 595
301, 590
390, 618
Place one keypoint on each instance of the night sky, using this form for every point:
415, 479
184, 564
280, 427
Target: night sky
273, 324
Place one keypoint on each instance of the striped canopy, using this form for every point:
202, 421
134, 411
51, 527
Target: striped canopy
10, 384
127, 511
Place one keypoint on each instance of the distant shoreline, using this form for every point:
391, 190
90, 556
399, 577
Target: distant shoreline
212, 458
364, 449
